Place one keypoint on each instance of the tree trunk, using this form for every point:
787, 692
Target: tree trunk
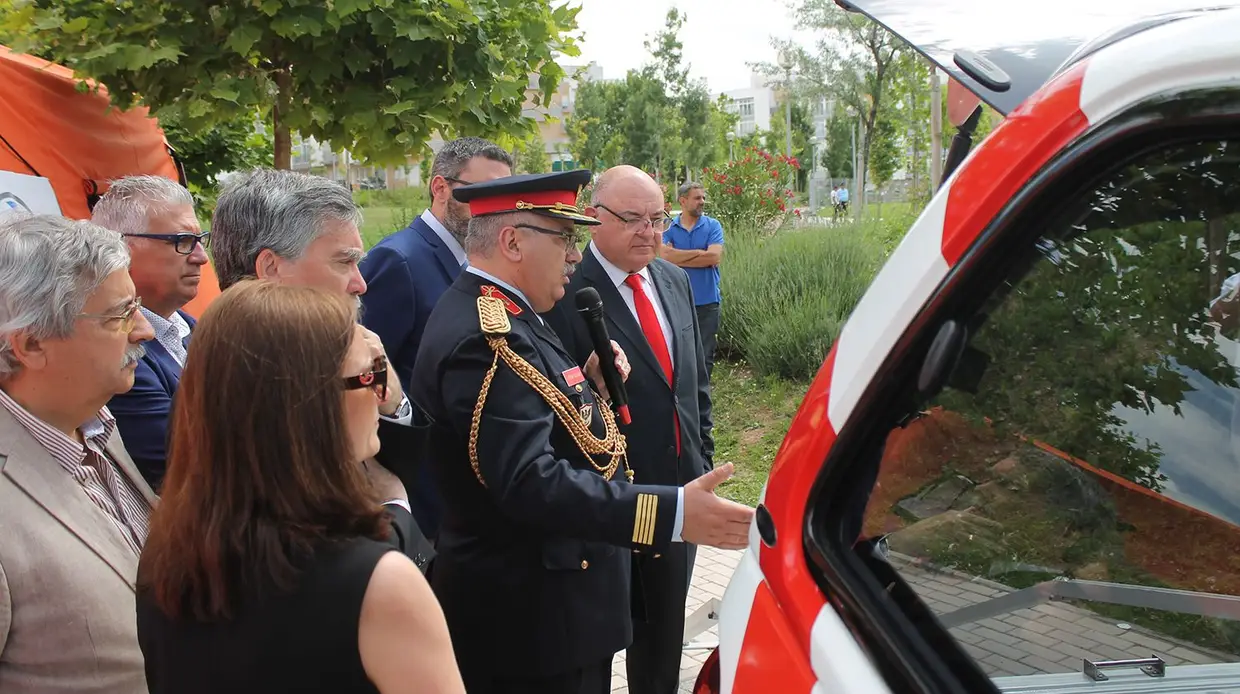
282, 136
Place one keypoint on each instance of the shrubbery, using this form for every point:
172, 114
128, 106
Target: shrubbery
751, 193
785, 297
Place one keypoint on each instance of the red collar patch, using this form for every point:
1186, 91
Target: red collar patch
494, 292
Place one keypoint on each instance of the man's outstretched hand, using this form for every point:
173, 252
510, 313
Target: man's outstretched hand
711, 520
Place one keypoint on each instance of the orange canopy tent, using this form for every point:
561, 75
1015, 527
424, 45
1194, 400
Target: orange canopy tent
75, 142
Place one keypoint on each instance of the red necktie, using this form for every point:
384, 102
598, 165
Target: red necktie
654, 335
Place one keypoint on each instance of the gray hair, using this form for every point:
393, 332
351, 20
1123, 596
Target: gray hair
49, 268
688, 187
483, 234
128, 204
452, 158
282, 211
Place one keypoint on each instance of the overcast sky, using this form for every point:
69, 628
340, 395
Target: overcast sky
719, 39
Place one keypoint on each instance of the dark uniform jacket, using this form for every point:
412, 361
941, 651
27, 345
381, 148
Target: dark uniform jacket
533, 567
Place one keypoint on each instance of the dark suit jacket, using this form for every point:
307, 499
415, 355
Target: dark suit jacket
144, 413
533, 568
652, 400
405, 274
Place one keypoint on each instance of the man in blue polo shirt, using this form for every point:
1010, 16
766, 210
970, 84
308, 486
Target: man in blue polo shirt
695, 243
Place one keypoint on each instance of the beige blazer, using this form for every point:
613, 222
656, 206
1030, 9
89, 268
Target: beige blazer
67, 612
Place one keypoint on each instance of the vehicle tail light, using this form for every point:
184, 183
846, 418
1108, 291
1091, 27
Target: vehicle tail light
708, 678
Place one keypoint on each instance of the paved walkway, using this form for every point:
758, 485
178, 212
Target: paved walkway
1049, 638
711, 573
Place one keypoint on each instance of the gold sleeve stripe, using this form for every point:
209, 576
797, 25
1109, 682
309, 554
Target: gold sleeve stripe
644, 522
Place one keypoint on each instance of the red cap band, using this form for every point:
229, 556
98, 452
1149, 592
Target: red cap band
508, 202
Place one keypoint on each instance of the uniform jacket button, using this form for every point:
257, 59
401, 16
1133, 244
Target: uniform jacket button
585, 564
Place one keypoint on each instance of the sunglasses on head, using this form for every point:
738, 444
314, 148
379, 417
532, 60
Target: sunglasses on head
375, 379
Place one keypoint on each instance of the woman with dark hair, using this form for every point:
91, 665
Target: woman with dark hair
264, 569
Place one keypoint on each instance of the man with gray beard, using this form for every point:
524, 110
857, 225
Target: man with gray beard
73, 506
407, 272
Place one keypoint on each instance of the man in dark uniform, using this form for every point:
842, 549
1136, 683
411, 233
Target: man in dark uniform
533, 565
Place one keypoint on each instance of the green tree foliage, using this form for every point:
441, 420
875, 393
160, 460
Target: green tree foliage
656, 118
376, 77
802, 136
533, 155
839, 152
233, 145
594, 135
852, 64
885, 151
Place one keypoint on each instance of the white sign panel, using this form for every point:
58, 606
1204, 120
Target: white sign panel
23, 193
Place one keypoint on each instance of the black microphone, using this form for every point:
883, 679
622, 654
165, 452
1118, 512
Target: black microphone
590, 306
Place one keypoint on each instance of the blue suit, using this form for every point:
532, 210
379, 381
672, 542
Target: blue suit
144, 413
406, 273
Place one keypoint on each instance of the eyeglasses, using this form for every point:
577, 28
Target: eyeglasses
452, 179
571, 238
181, 243
638, 224
376, 379
125, 320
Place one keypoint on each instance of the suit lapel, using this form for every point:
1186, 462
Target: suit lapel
443, 254
163, 363
30, 467
116, 449
617, 311
663, 284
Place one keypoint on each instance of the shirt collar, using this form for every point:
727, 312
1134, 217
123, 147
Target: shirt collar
682, 226
175, 326
492, 278
615, 274
97, 429
444, 235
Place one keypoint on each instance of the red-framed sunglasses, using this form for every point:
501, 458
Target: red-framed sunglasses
375, 379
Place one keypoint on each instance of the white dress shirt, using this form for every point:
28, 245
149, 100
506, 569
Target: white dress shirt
618, 276
169, 332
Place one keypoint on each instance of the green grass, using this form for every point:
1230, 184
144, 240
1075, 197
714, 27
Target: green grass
751, 415
387, 211
378, 222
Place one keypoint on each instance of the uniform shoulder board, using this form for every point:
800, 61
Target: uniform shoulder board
493, 316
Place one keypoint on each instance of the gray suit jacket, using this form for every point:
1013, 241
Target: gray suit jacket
67, 612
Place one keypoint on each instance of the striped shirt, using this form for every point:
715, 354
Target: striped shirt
101, 479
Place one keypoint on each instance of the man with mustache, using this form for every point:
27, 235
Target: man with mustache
406, 274
167, 249
73, 507
540, 512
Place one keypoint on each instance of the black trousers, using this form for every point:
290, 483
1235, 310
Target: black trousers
595, 679
708, 323
660, 589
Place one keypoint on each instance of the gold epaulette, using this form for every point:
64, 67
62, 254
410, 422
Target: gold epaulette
493, 317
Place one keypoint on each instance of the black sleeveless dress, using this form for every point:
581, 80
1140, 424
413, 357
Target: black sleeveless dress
304, 641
